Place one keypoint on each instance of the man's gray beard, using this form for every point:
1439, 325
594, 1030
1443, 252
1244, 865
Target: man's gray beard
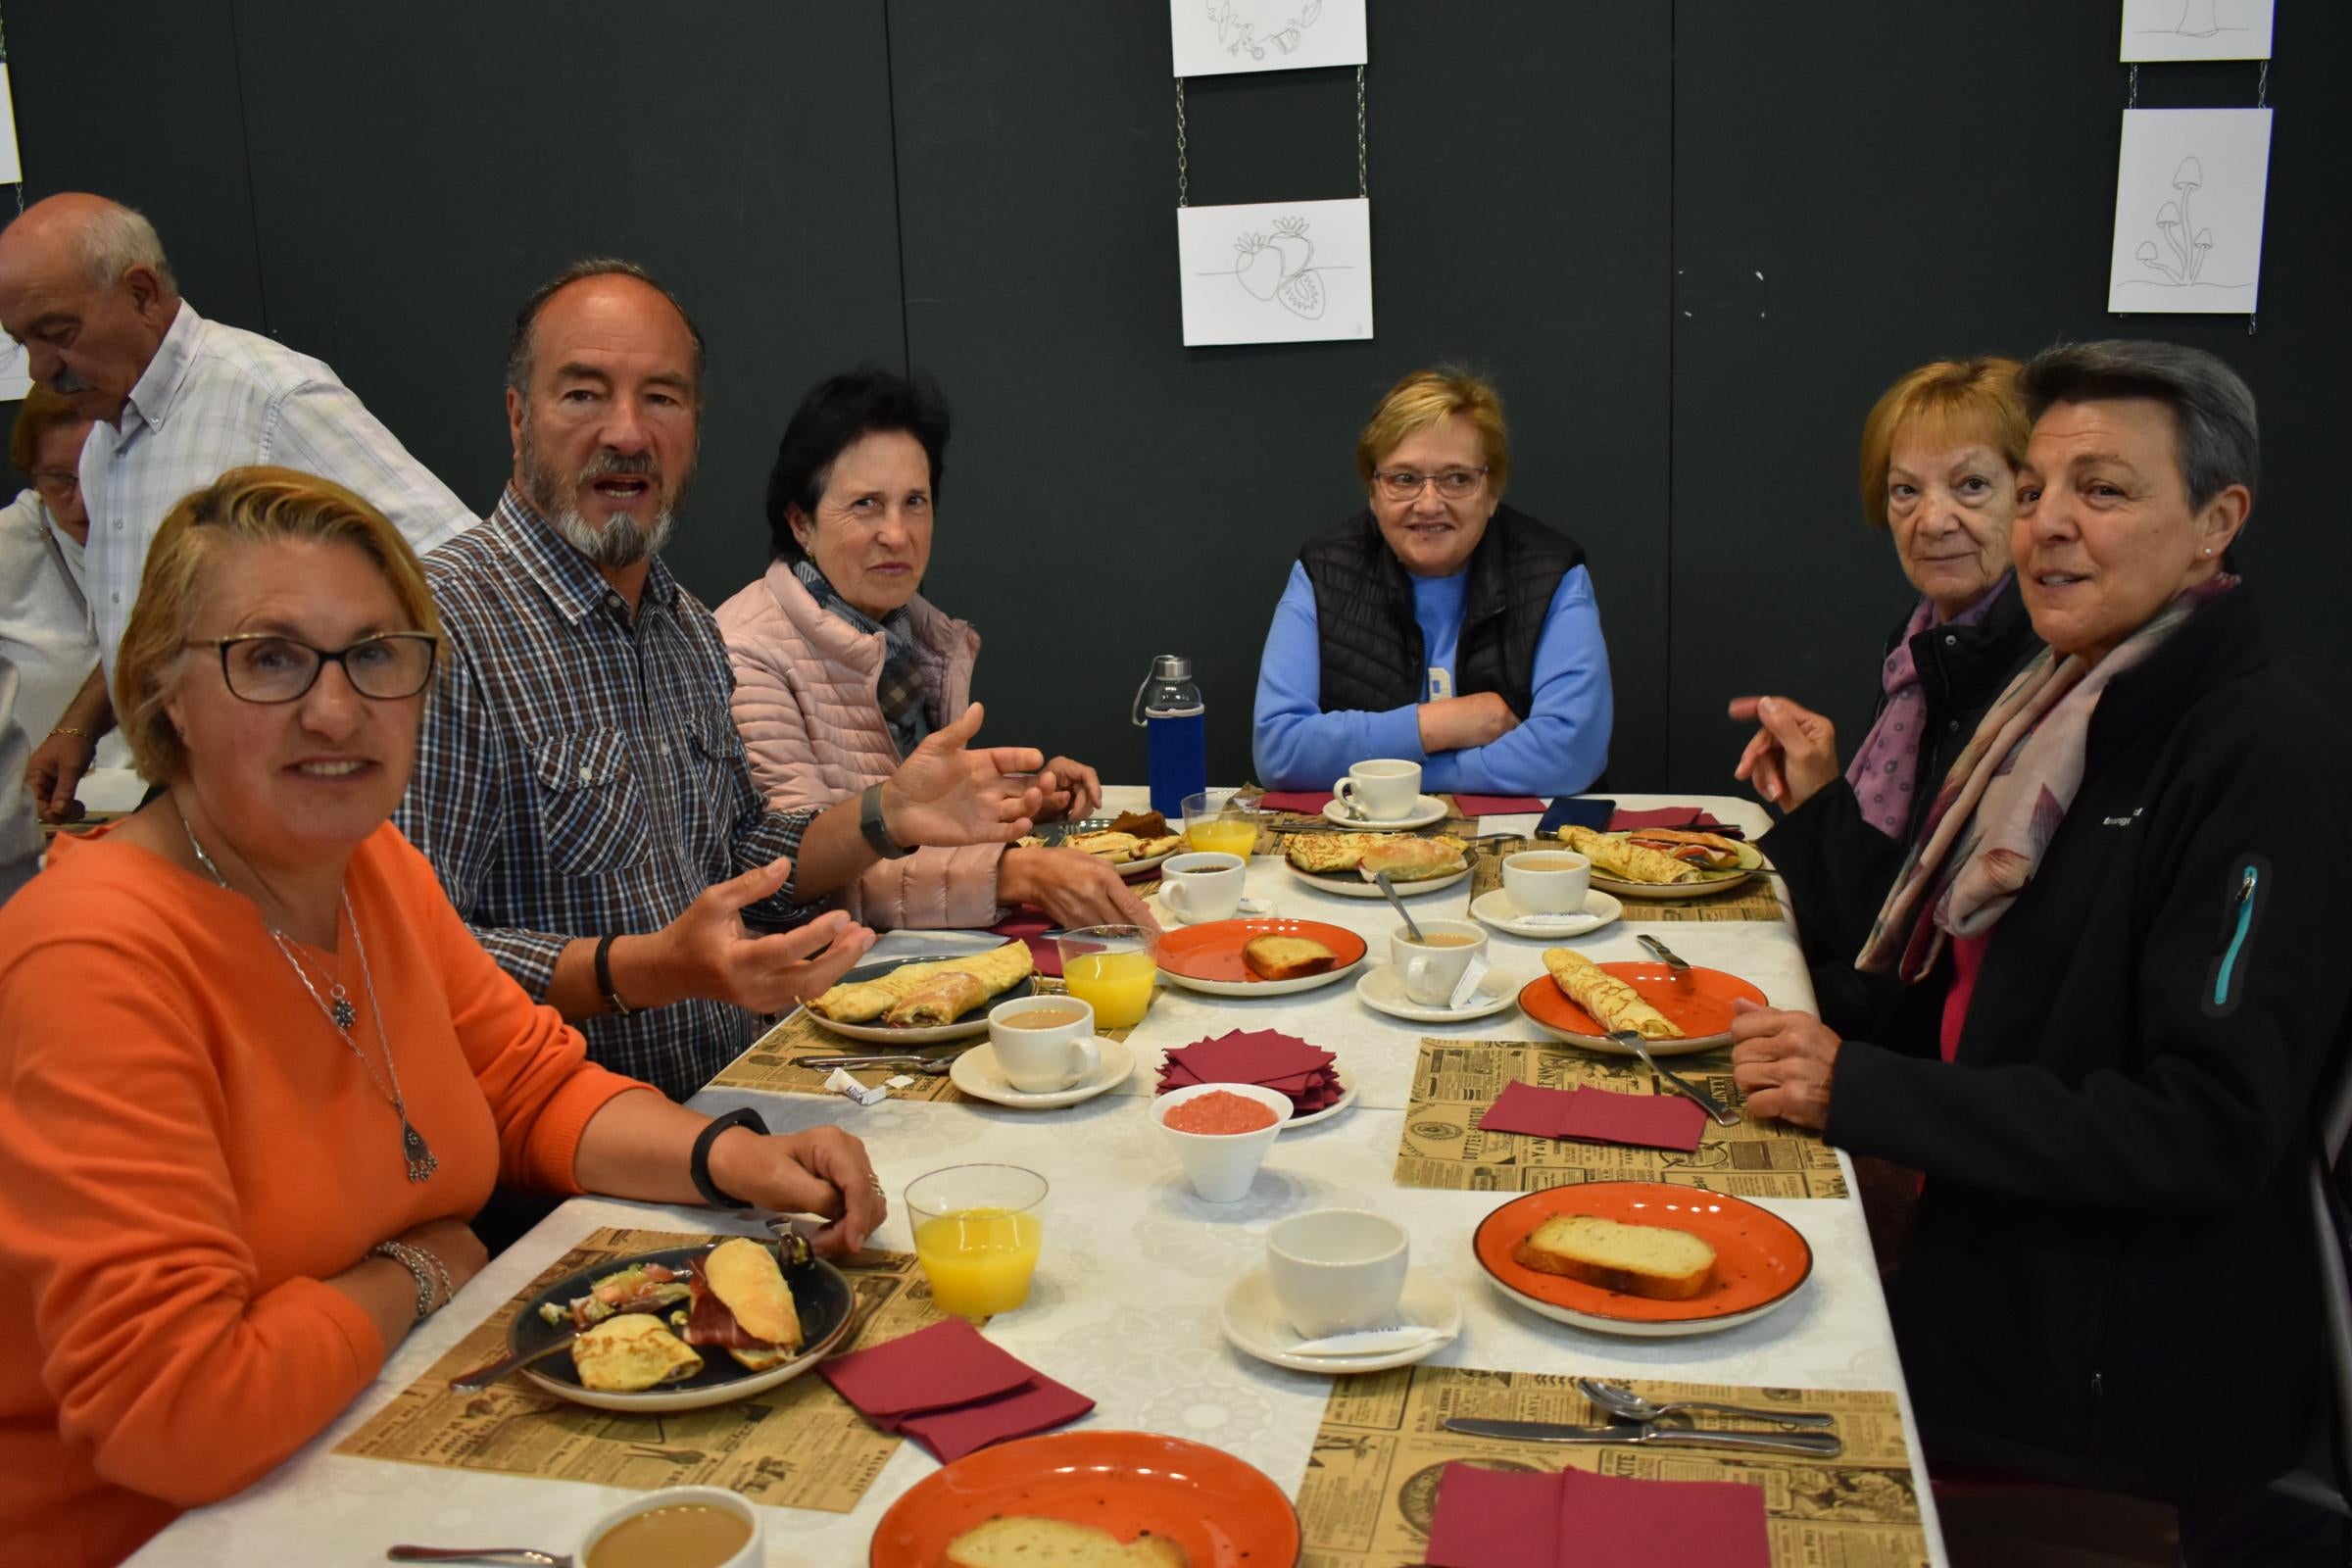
619, 541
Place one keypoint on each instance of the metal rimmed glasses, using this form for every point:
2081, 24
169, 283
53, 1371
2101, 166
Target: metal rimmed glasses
266, 667
56, 484
1455, 484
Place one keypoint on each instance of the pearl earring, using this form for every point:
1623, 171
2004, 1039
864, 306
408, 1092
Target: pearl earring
2209, 550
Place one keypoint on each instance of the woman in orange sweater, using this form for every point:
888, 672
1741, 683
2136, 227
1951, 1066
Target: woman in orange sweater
255, 1074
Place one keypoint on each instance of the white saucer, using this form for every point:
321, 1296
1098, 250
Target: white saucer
1496, 910
1347, 1099
1252, 1322
977, 1074
1380, 989
1426, 810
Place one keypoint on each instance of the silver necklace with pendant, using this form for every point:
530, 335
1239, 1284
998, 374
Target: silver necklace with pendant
418, 1155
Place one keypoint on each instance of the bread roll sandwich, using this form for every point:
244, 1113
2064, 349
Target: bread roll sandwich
1651, 1260
1628, 862
998, 971
1613, 1003
1028, 1541
630, 1353
743, 1305
1286, 957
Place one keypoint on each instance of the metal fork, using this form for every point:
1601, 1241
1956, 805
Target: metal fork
1690, 1091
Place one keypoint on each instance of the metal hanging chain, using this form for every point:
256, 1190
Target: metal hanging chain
1363, 184
2133, 102
2262, 88
1182, 170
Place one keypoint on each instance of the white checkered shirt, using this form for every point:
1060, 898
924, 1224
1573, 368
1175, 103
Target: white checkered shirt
580, 773
215, 398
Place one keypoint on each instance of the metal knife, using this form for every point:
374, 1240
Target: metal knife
1667, 955
1650, 1435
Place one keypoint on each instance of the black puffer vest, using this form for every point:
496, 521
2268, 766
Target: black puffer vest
1371, 645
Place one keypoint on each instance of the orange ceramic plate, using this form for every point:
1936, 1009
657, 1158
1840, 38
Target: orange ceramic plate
1760, 1260
1701, 1007
1222, 1512
1208, 956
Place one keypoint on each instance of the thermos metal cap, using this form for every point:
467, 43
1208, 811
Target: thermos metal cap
1171, 666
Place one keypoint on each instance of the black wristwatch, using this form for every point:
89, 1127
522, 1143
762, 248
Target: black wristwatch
604, 974
698, 1165
869, 823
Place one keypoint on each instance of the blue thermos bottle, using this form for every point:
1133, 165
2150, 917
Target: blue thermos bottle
1176, 729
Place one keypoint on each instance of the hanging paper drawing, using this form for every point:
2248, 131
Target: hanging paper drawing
1275, 273
1211, 37
2196, 29
2188, 206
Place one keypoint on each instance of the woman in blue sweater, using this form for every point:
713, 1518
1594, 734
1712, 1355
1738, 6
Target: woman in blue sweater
1437, 625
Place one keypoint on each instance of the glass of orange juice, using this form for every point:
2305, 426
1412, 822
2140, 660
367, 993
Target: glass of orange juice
1112, 968
977, 1230
1221, 821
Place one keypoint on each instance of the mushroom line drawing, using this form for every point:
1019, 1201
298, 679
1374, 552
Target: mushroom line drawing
1237, 35
2186, 243
1277, 266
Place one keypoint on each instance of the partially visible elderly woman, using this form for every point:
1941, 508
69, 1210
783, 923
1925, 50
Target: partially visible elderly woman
44, 617
841, 666
2126, 985
1940, 451
259, 1073
1437, 624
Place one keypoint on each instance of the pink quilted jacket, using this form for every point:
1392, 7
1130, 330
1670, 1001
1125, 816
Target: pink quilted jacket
805, 703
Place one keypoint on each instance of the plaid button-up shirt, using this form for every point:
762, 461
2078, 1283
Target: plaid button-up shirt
215, 398
580, 773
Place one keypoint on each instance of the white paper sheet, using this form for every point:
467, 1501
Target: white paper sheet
1276, 271
1214, 37
2189, 200
2196, 29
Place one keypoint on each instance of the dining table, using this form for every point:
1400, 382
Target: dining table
1125, 1302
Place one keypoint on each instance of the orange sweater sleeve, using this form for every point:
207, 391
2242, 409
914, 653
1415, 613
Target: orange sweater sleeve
117, 1204
532, 1066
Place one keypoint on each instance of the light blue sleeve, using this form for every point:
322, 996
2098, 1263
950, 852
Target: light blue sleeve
1563, 743
1298, 746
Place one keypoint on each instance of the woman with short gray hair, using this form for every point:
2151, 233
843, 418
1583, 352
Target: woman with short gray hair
2123, 987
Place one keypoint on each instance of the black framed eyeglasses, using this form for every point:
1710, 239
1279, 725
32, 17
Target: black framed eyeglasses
1455, 484
263, 666
55, 484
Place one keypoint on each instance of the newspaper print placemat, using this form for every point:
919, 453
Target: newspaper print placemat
772, 1064
796, 1446
1455, 1081
1752, 900
1371, 1481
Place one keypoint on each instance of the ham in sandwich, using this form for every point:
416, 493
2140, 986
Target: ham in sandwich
743, 1305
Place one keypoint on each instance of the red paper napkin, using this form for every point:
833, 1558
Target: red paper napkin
952, 1390
1282, 1063
1514, 1519
1031, 926
1596, 1116
1308, 800
1663, 817
1496, 805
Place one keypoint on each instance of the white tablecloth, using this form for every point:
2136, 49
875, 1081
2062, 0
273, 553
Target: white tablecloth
1125, 1305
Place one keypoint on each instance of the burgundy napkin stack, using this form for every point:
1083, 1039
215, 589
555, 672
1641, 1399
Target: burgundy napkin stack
1597, 1116
1494, 804
1031, 926
1684, 816
1515, 1519
1282, 1063
952, 1390
1310, 802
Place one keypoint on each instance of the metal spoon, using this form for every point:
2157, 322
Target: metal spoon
1626, 1405
510, 1556
1380, 880
1690, 1091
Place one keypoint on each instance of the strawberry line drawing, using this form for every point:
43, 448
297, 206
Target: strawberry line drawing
1237, 35
1278, 267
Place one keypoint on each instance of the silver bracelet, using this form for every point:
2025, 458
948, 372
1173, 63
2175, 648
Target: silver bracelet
427, 1269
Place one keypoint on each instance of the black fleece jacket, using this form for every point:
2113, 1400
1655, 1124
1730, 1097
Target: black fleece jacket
2111, 1278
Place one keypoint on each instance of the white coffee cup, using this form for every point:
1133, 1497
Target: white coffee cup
1202, 887
1338, 1270
1036, 1058
1430, 973
1546, 881
1385, 790
749, 1555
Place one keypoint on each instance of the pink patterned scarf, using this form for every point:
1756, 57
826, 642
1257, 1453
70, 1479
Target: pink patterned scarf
1886, 767
2000, 805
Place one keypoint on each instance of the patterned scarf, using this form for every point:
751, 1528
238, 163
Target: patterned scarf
2000, 805
1888, 764
899, 688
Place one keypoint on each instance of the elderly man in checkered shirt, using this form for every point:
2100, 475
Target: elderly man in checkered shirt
580, 787
177, 400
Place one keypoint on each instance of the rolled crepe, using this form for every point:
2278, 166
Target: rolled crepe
1625, 861
1612, 1002
943, 998
1413, 860
998, 971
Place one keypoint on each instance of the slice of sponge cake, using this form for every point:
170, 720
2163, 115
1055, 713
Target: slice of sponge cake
1652, 1260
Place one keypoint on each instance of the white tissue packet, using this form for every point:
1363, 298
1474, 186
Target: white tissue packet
1466, 988
840, 1082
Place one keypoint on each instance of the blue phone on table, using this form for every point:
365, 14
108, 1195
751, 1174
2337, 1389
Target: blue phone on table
1578, 810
